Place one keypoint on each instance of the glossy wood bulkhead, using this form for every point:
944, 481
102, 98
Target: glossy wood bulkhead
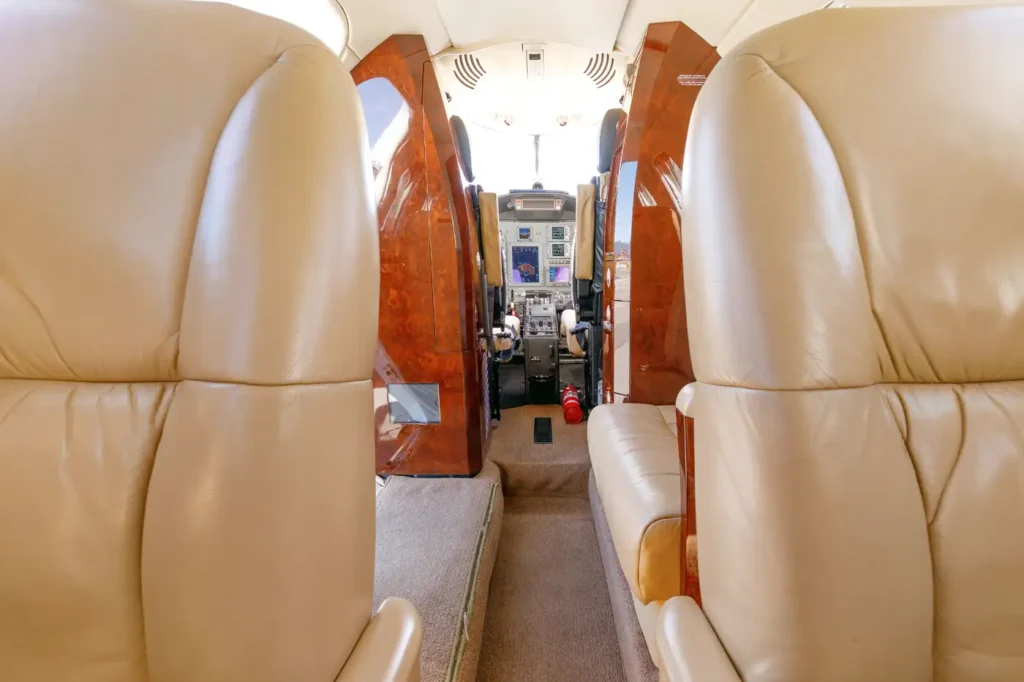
427, 328
671, 67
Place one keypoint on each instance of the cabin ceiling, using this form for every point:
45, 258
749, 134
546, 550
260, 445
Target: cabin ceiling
592, 24
598, 25
479, 47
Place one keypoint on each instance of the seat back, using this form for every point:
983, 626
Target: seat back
588, 247
490, 237
852, 201
188, 315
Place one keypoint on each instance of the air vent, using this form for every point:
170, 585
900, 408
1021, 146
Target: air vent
469, 70
601, 69
534, 61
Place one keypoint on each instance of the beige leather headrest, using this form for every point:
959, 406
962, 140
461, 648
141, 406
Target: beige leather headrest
847, 274
585, 231
490, 233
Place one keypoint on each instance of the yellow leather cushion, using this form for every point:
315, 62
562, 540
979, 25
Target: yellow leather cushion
585, 231
490, 233
634, 455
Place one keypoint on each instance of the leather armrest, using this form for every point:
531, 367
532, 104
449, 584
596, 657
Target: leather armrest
684, 401
389, 648
688, 646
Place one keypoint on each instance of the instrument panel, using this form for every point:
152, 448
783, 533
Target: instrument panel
539, 255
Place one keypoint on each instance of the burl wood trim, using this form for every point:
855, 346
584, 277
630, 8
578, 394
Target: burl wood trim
659, 113
427, 327
689, 573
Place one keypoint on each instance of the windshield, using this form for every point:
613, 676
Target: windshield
505, 160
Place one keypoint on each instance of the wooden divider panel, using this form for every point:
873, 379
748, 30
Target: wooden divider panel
648, 293
428, 329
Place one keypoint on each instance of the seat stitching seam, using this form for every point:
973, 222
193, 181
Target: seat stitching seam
853, 387
958, 392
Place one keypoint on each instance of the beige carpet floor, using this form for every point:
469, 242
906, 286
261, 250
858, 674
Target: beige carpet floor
558, 469
636, 657
549, 618
436, 545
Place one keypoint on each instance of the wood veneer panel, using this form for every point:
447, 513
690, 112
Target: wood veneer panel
663, 96
427, 315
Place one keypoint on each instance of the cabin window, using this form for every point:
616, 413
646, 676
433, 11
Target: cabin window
387, 124
325, 19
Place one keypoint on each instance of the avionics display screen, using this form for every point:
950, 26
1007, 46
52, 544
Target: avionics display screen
557, 233
525, 265
558, 251
524, 234
558, 274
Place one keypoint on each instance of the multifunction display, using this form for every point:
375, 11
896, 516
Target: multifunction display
525, 265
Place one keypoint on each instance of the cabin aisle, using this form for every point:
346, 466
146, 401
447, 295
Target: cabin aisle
549, 617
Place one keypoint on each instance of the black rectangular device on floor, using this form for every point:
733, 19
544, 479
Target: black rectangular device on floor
542, 430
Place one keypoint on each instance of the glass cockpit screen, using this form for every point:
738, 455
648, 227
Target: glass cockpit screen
558, 274
525, 265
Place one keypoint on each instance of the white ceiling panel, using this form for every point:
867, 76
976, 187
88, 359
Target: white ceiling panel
586, 23
371, 22
761, 15
711, 19
593, 24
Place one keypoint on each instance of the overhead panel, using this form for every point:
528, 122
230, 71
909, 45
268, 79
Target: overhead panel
593, 24
532, 88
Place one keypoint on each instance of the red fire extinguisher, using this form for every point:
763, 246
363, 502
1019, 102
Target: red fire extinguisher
571, 409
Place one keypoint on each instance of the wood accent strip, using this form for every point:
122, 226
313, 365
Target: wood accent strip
427, 328
689, 573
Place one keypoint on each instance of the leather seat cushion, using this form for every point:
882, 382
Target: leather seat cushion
634, 454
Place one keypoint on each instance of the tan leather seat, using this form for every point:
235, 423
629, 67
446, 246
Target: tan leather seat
188, 299
634, 458
855, 300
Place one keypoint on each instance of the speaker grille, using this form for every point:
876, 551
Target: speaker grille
469, 70
601, 69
